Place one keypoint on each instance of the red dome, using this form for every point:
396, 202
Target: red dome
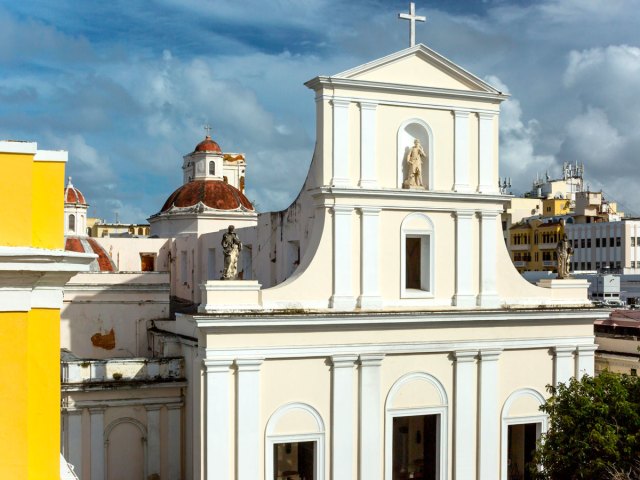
208, 145
73, 195
213, 193
88, 245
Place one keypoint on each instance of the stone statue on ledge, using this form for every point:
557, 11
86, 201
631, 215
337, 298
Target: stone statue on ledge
414, 166
564, 250
231, 246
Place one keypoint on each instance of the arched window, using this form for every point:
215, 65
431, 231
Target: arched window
410, 131
417, 256
140, 231
295, 443
212, 168
522, 426
416, 424
72, 223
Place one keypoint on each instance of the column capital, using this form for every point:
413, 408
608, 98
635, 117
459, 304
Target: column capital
370, 211
344, 361
465, 356
490, 355
587, 349
249, 364
96, 410
340, 103
489, 214
174, 406
464, 214
461, 113
368, 105
486, 115
215, 365
371, 359
564, 351
342, 209
152, 407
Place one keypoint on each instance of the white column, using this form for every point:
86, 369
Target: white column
368, 151
340, 143
74, 440
487, 148
174, 436
461, 148
488, 260
464, 420
489, 416
370, 259
248, 418
585, 360
217, 418
563, 364
371, 452
342, 298
97, 443
464, 296
153, 440
343, 417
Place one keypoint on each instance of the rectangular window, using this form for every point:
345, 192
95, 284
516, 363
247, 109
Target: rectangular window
521, 447
597, 243
633, 372
583, 265
618, 241
588, 265
416, 447
633, 264
597, 265
582, 243
413, 260
147, 262
417, 262
294, 460
611, 241
633, 241
588, 243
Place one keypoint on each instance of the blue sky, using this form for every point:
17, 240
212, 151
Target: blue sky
126, 86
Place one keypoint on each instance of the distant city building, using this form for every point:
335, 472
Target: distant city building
534, 224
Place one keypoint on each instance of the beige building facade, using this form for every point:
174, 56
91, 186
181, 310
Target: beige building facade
401, 343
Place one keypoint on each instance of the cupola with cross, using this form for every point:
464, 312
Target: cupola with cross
208, 162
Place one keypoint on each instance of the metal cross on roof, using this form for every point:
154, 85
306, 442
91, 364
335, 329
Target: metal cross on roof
413, 18
207, 127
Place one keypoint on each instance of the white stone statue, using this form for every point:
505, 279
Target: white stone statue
414, 166
231, 246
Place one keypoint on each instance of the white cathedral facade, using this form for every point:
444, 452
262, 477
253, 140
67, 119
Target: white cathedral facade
378, 330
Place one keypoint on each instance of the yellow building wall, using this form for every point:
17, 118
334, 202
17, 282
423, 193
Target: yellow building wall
48, 195
30, 394
30, 340
16, 188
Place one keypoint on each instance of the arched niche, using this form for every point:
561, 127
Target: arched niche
410, 130
416, 398
292, 425
120, 452
521, 410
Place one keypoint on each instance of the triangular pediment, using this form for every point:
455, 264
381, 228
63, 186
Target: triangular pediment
418, 66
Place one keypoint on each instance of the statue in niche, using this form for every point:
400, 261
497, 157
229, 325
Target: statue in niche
231, 246
564, 250
414, 166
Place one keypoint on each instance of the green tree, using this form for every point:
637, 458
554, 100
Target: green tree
594, 428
